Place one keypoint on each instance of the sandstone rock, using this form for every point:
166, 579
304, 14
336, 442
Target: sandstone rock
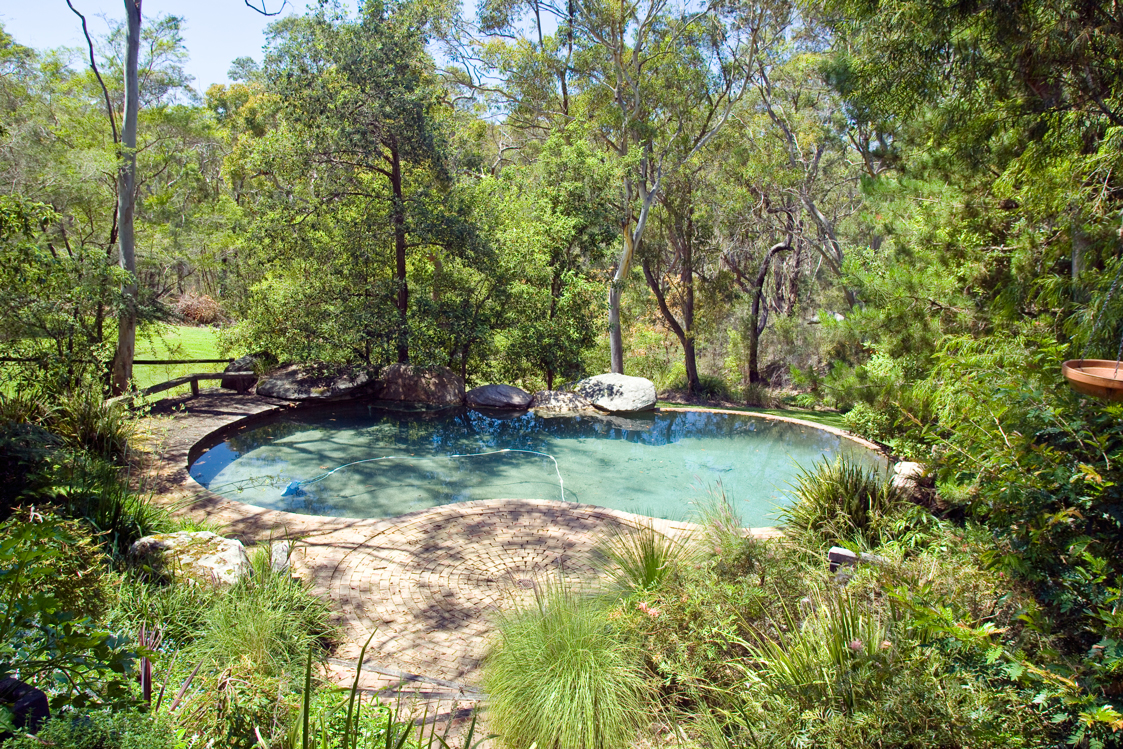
617, 393
907, 476
199, 557
280, 556
497, 396
309, 382
437, 386
559, 401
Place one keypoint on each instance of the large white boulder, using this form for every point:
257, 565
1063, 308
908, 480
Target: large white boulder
196, 556
618, 393
907, 476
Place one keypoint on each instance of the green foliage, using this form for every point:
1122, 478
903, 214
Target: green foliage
639, 560
52, 582
264, 624
838, 658
842, 501
559, 675
124, 729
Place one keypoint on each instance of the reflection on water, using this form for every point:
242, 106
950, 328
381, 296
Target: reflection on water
651, 464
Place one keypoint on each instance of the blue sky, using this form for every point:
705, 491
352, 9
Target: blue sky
215, 31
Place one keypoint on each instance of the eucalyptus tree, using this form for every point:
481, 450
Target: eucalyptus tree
658, 81
676, 253
363, 100
122, 369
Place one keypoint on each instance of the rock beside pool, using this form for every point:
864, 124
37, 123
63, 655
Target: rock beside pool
298, 382
618, 393
247, 363
498, 396
199, 557
559, 401
909, 476
436, 386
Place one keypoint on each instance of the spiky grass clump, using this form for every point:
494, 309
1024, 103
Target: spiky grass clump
836, 657
559, 676
265, 623
87, 422
639, 560
841, 500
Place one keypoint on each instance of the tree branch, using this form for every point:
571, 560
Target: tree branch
97, 74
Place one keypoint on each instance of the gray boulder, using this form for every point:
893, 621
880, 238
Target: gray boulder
436, 386
298, 382
559, 401
247, 363
497, 396
199, 557
617, 393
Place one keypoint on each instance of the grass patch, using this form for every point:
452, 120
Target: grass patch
176, 342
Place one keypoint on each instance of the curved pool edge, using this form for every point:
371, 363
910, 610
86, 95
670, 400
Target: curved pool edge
253, 523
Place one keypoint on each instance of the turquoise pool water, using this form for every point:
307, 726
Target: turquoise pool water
371, 462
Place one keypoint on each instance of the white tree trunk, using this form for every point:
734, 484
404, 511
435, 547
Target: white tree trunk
126, 206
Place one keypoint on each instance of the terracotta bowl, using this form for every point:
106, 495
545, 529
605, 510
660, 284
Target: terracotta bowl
1099, 378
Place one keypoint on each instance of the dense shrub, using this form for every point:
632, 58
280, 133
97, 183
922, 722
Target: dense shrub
127, 729
249, 642
842, 501
53, 584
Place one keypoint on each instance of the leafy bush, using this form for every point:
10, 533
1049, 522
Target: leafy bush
560, 676
87, 422
868, 422
25, 462
127, 729
89, 487
841, 500
51, 582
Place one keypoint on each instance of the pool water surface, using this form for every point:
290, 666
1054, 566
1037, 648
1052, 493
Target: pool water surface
364, 461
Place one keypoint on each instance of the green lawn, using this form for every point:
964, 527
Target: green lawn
176, 342
827, 418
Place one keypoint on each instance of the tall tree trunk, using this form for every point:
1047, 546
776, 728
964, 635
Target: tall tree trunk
126, 206
632, 240
399, 221
685, 336
755, 328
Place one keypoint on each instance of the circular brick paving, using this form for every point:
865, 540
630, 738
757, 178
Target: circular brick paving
430, 587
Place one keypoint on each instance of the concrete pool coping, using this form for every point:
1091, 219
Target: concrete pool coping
429, 583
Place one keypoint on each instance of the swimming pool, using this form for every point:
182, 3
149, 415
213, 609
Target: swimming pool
369, 461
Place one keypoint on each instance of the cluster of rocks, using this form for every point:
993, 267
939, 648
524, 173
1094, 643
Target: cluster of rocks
438, 386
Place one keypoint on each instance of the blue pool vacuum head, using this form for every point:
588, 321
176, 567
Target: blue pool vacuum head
292, 490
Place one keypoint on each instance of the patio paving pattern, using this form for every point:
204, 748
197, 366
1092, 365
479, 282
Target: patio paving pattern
428, 586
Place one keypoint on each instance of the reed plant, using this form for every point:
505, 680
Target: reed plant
837, 656
841, 501
561, 676
639, 560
